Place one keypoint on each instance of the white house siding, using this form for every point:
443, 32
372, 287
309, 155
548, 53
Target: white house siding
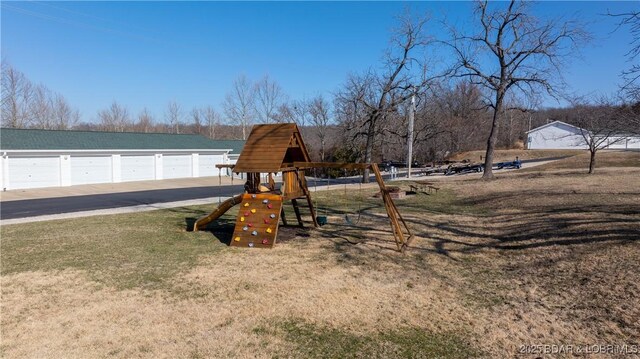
177, 166
556, 136
624, 143
207, 164
137, 167
21, 169
91, 169
32, 172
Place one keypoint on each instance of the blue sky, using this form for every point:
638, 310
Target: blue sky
149, 53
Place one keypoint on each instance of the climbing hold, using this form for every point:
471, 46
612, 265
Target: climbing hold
245, 228
246, 204
269, 206
272, 215
241, 219
253, 196
266, 221
247, 213
265, 241
253, 210
269, 230
265, 201
237, 239
249, 225
254, 233
250, 244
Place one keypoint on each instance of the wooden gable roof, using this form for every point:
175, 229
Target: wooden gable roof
270, 146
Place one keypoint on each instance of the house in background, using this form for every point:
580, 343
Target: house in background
46, 158
560, 135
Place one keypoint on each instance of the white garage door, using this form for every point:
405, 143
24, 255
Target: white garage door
91, 169
176, 166
207, 164
138, 168
34, 172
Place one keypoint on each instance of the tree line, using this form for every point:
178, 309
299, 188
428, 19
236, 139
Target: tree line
478, 87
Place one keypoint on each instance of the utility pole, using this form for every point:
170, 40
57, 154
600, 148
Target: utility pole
412, 110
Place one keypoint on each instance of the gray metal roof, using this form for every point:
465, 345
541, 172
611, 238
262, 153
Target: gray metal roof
30, 139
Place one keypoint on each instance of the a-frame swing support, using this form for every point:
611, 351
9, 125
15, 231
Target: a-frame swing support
401, 231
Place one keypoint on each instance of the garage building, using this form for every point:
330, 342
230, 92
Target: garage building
44, 158
561, 135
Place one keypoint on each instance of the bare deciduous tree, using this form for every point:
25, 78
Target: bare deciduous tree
285, 114
601, 124
41, 108
17, 93
145, 121
631, 76
513, 51
196, 118
300, 111
269, 97
379, 95
239, 105
319, 111
64, 117
211, 120
173, 116
27, 105
115, 118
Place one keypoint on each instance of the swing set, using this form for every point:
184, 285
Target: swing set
322, 219
278, 148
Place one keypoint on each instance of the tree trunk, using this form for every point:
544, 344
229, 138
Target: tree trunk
493, 137
592, 162
368, 150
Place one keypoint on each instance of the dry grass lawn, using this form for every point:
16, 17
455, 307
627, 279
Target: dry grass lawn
510, 155
530, 258
604, 158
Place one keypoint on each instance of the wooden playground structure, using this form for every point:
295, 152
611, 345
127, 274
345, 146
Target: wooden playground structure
278, 148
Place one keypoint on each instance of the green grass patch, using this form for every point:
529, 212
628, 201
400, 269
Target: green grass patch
146, 250
138, 250
313, 341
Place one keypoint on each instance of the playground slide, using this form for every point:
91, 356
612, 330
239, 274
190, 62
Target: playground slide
201, 223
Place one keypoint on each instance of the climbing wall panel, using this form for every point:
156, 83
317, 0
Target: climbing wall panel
257, 221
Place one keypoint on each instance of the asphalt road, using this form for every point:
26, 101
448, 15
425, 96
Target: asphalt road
48, 206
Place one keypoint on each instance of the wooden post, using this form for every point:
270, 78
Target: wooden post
296, 210
308, 195
392, 212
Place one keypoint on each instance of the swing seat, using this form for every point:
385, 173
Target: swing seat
350, 221
322, 220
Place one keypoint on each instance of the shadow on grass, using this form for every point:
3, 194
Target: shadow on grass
511, 221
535, 220
221, 229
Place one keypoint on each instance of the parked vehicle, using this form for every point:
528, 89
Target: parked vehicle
464, 169
509, 164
